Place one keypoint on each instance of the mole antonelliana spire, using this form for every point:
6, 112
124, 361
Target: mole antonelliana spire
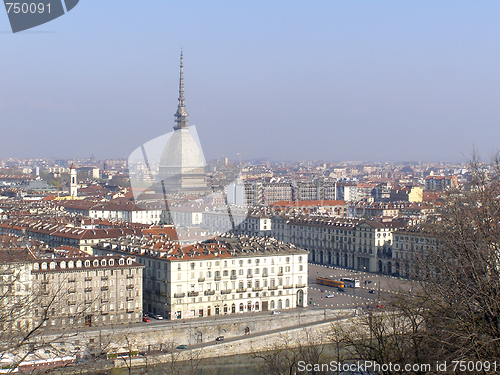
182, 165
181, 116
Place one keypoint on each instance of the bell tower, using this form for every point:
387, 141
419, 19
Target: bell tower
73, 183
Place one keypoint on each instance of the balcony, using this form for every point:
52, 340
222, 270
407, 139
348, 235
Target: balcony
273, 288
88, 289
193, 294
45, 282
88, 279
104, 278
249, 276
225, 291
104, 300
217, 278
130, 298
243, 290
300, 285
71, 303
105, 288
209, 292
280, 273
201, 279
233, 277
265, 275
130, 286
257, 289
179, 295
130, 276
130, 311
288, 286
72, 280
71, 290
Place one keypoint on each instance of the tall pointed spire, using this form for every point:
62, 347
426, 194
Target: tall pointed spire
181, 116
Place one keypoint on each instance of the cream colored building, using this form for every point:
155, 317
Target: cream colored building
223, 276
416, 194
87, 291
351, 243
68, 292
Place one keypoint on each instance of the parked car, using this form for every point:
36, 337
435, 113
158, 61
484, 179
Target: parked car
341, 289
276, 312
329, 296
156, 316
182, 347
220, 338
146, 319
368, 281
371, 291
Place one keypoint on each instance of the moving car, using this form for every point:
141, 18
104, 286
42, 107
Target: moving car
276, 312
220, 338
329, 296
146, 319
341, 289
156, 316
182, 347
371, 291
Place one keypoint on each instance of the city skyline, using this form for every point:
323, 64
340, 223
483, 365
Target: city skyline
369, 82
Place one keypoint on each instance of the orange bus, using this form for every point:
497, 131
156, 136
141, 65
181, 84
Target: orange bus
330, 282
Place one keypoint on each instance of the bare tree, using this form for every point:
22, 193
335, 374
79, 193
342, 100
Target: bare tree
282, 356
454, 312
463, 270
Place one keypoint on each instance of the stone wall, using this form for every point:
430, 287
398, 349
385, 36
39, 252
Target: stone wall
150, 337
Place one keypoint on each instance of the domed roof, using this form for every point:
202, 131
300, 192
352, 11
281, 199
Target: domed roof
182, 151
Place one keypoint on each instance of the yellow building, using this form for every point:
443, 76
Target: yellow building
416, 194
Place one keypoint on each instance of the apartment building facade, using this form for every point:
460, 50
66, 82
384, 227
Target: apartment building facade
223, 276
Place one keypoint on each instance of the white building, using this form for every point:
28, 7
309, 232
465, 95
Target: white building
222, 276
126, 212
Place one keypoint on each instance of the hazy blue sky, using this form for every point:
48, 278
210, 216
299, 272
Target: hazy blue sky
333, 80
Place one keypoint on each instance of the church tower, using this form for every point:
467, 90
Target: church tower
182, 165
73, 183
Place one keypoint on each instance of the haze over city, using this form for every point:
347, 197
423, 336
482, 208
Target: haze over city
283, 80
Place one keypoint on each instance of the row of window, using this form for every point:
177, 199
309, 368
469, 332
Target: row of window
80, 264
